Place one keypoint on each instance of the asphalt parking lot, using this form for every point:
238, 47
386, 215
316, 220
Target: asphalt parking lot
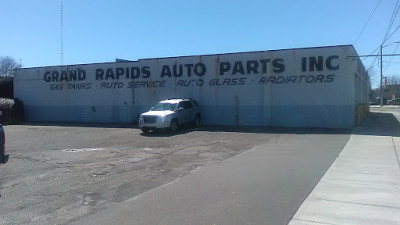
58, 173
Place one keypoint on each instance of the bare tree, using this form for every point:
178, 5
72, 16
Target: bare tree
392, 86
7, 65
372, 75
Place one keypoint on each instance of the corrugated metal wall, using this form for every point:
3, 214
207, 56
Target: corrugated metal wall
313, 87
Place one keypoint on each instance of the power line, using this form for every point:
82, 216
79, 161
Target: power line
392, 19
365, 25
372, 64
388, 35
391, 58
376, 57
393, 32
377, 48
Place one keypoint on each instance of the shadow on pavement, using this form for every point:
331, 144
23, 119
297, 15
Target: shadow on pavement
379, 124
77, 124
275, 130
207, 128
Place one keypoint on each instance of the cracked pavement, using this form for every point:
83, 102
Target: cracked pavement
59, 173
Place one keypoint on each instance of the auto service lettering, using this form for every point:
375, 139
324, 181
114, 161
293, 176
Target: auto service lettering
312, 70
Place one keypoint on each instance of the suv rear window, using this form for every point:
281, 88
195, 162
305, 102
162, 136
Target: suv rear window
195, 103
187, 105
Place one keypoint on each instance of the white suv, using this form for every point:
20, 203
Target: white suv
170, 113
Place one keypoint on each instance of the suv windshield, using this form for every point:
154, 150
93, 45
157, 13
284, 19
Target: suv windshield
164, 107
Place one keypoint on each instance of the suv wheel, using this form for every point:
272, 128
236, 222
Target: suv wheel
174, 126
197, 122
144, 130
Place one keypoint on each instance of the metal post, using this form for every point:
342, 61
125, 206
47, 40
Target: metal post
62, 34
380, 90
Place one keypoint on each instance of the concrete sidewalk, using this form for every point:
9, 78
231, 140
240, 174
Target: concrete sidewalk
361, 187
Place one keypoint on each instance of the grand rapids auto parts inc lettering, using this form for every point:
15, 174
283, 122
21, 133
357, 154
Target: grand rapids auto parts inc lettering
314, 70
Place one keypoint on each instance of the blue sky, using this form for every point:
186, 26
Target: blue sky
100, 31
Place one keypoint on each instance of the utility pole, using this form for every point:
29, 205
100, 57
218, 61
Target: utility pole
62, 34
